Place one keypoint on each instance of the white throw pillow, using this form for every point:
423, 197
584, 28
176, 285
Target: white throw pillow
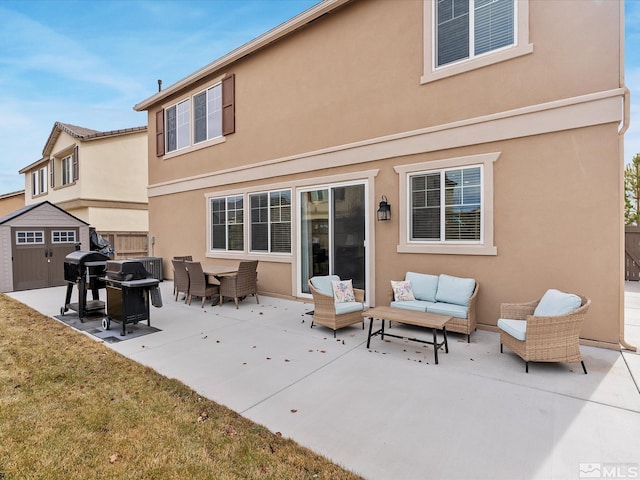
402, 290
343, 291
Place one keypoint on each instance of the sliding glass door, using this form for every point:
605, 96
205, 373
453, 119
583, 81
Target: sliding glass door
333, 234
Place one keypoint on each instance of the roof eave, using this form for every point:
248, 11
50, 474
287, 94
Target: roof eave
258, 43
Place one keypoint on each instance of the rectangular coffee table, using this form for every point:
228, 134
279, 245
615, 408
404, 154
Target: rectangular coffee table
409, 317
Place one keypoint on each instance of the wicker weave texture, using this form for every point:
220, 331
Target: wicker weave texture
198, 285
548, 339
180, 279
324, 310
242, 283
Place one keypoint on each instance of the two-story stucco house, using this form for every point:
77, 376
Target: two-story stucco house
493, 129
98, 177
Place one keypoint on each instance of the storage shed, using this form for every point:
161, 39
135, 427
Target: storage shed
34, 242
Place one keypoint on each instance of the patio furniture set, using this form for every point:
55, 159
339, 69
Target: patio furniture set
216, 283
546, 330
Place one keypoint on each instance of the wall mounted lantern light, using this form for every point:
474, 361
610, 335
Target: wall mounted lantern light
384, 211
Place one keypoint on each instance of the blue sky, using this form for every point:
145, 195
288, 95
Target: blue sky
87, 62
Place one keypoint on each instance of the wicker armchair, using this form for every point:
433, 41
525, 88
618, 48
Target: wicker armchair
180, 279
324, 309
198, 285
240, 284
547, 339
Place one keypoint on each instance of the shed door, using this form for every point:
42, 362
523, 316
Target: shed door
38, 256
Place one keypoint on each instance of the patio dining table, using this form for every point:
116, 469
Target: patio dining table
214, 271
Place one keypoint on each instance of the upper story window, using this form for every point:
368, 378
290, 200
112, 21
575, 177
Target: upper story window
205, 115
462, 35
270, 227
468, 28
67, 170
178, 128
39, 182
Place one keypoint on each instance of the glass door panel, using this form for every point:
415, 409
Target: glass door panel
348, 257
314, 229
332, 234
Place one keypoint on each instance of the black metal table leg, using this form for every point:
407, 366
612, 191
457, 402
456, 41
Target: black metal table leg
446, 343
370, 327
435, 343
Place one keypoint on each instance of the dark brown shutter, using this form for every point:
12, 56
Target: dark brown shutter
160, 133
75, 163
51, 173
228, 105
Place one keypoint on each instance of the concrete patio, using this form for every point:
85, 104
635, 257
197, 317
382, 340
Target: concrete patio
388, 412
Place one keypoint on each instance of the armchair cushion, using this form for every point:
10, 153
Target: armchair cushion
348, 307
555, 302
402, 291
516, 328
324, 284
343, 291
424, 286
455, 290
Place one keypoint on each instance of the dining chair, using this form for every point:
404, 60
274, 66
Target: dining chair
198, 285
180, 279
241, 283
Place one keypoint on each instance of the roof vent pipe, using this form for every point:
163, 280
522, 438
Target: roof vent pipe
159, 85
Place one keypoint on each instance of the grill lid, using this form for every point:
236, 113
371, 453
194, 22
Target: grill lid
79, 257
126, 270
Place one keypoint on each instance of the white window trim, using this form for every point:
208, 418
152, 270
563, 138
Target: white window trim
36, 235
193, 133
225, 251
521, 47
192, 146
270, 223
66, 159
69, 236
486, 245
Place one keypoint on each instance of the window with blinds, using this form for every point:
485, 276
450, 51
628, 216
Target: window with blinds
177, 126
469, 28
270, 228
227, 223
446, 205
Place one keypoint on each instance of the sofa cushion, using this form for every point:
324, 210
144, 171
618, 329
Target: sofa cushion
402, 290
417, 305
554, 303
343, 291
516, 328
455, 290
449, 309
424, 286
323, 284
348, 307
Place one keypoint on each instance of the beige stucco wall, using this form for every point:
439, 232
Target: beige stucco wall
354, 76
11, 203
111, 190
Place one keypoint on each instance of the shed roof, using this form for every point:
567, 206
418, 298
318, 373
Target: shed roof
28, 208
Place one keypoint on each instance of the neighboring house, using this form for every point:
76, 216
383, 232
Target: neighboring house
11, 201
99, 177
493, 128
34, 241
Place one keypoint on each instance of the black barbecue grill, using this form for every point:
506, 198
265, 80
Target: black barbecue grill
129, 289
84, 270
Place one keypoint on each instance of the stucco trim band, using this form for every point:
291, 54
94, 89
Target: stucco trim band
577, 112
